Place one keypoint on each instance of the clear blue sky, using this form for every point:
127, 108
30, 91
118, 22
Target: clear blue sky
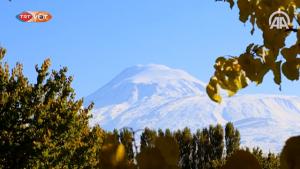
97, 39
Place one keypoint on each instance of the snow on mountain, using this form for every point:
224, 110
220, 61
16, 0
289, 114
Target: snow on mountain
157, 96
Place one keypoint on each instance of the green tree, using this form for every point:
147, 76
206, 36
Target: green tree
88, 155
168, 133
194, 150
232, 139
148, 138
217, 141
41, 124
204, 149
93, 145
160, 133
184, 140
126, 137
164, 154
270, 161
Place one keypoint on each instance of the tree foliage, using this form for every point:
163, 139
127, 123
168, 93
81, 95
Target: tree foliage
113, 154
127, 139
232, 139
41, 124
270, 161
236, 72
164, 154
148, 138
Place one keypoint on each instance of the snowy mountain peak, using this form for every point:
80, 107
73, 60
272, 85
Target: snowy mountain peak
154, 73
145, 82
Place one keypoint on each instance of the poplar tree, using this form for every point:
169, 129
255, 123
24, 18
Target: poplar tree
126, 138
232, 139
148, 138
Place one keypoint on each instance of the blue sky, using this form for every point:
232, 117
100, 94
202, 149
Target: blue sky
97, 39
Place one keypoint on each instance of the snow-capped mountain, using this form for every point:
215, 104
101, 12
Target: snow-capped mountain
157, 96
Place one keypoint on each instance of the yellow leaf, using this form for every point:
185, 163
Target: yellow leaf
120, 154
212, 90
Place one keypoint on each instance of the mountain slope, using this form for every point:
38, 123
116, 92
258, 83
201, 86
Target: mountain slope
160, 97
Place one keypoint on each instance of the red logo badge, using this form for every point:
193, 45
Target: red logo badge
34, 16
24, 16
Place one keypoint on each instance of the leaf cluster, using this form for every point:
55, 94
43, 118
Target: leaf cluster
235, 73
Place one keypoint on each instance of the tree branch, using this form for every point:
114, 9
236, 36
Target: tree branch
292, 29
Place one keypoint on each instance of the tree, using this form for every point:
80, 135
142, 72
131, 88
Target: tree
204, 149
113, 154
126, 137
232, 139
164, 154
184, 139
160, 133
217, 141
168, 133
41, 124
93, 146
235, 72
194, 150
148, 138
271, 161
89, 153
